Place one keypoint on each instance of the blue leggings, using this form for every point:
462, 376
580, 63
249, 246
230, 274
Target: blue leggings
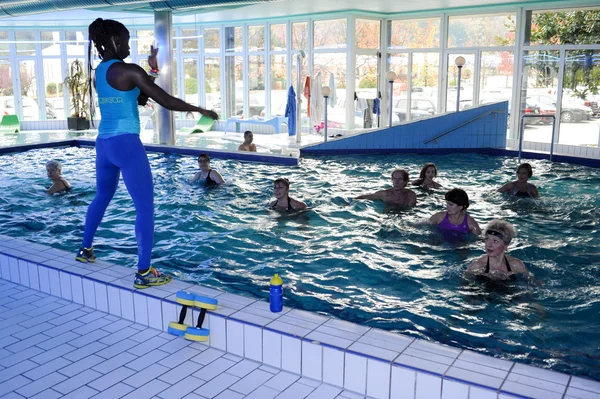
124, 153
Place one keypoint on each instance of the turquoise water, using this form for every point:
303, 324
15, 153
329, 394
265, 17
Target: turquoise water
352, 259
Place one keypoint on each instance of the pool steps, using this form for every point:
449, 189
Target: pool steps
371, 362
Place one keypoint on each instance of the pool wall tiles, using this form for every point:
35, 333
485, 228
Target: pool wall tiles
489, 131
371, 362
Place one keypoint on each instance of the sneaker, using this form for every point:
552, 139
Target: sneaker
86, 255
150, 278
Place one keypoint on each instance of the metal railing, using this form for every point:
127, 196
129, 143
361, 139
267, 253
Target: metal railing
461, 125
521, 133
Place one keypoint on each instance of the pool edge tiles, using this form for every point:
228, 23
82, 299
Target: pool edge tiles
368, 361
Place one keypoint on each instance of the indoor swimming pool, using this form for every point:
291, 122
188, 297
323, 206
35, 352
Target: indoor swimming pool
356, 260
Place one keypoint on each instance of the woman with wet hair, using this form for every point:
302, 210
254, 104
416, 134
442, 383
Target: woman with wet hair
496, 265
520, 187
121, 87
455, 218
59, 183
283, 201
428, 173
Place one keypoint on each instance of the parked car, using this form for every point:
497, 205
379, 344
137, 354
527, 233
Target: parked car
571, 112
420, 108
530, 109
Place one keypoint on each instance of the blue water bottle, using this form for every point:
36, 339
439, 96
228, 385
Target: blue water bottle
276, 294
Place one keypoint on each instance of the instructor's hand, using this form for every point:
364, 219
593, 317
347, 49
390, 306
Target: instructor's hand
211, 114
152, 62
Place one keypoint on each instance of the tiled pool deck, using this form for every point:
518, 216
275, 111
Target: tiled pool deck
77, 330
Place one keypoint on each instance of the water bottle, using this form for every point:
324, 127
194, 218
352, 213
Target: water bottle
276, 294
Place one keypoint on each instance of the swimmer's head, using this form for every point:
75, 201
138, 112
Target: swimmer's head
281, 187
53, 169
458, 196
204, 161
527, 168
423, 172
248, 137
399, 178
501, 229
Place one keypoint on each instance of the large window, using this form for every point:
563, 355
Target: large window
562, 27
278, 68
481, 31
4, 44
367, 34
330, 34
415, 33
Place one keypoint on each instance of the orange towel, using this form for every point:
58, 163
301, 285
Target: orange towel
307, 93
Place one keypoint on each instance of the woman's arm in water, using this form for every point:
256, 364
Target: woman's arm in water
535, 191
473, 225
56, 187
216, 176
506, 188
437, 218
195, 178
475, 268
298, 204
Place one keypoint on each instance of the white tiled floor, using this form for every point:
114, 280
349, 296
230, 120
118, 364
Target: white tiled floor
71, 351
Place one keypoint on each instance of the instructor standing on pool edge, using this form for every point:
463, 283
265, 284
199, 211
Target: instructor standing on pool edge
120, 87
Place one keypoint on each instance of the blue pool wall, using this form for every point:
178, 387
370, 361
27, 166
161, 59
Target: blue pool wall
488, 131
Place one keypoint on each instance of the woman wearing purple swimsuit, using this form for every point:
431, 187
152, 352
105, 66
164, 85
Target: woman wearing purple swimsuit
455, 219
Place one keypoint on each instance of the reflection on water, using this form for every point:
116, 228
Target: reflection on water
354, 259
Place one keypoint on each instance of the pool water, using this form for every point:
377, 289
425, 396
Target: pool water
351, 259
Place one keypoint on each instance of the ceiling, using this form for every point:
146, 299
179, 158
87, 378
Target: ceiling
44, 12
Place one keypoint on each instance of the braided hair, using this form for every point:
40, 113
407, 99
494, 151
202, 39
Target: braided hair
102, 33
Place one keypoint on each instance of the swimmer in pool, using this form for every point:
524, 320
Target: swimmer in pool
496, 265
428, 173
247, 145
398, 194
455, 218
207, 176
520, 187
283, 202
59, 183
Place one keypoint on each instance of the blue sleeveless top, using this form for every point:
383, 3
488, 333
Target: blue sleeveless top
119, 109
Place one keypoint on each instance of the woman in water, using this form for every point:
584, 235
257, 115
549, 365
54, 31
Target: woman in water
428, 173
121, 87
496, 265
455, 218
207, 176
283, 202
59, 183
520, 187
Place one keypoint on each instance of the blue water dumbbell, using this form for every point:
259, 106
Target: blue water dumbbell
185, 299
198, 333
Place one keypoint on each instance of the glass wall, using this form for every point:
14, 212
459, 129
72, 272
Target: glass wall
247, 68
566, 40
413, 54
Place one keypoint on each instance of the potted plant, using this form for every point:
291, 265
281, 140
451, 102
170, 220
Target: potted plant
78, 85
